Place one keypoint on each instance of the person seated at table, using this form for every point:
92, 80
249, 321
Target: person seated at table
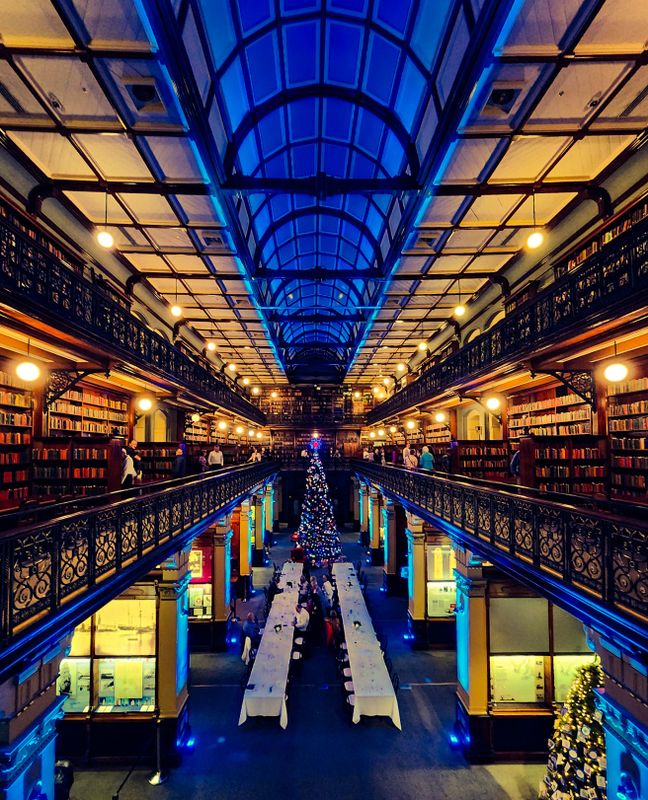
297, 554
336, 625
302, 618
274, 589
317, 614
251, 628
327, 589
304, 590
328, 631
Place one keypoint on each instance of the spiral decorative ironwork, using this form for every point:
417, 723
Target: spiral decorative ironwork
588, 550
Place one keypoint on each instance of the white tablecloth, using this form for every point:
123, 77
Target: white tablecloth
266, 695
372, 686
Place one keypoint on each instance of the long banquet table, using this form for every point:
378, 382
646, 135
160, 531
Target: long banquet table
265, 695
372, 686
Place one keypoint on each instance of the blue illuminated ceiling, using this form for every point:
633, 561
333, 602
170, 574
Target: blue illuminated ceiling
318, 183
309, 92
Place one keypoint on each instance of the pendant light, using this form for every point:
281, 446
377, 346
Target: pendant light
460, 309
27, 370
536, 237
616, 371
104, 237
176, 310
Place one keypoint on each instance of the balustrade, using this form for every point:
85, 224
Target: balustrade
615, 277
601, 557
48, 567
34, 279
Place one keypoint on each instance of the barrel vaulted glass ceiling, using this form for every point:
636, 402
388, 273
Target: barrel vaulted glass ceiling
320, 180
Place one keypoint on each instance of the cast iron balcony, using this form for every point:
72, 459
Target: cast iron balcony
34, 280
593, 564
613, 280
56, 573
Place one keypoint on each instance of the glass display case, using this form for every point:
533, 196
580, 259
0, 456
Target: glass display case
200, 586
111, 667
441, 586
518, 679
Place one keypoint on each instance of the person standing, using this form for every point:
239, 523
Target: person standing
215, 457
128, 469
406, 453
133, 452
427, 459
179, 468
411, 460
202, 461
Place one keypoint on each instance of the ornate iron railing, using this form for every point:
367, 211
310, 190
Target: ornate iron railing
613, 278
601, 557
54, 571
35, 280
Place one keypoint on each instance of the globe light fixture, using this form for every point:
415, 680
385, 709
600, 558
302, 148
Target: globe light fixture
256, 390
410, 424
422, 346
211, 346
28, 371
145, 404
239, 429
440, 416
615, 372
400, 367
246, 381
381, 432
536, 237
231, 367
357, 395
259, 434
372, 435
392, 429
274, 395
176, 311
250, 433
104, 237
375, 389
459, 310
493, 403
222, 425
195, 417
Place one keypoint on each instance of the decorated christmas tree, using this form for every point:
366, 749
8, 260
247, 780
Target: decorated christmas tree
317, 531
576, 767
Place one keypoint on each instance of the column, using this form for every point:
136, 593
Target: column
221, 581
624, 709
355, 502
363, 500
278, 504
390, 549
269, 513
416, 580
173, 659
245, 549
473, 723
29, 709
373, 515
258, 550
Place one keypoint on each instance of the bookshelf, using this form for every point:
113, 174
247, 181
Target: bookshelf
551, 412
77, 466
87, 412
488, 459
628, 432
16, 420
157, 459
638, 215
570, 465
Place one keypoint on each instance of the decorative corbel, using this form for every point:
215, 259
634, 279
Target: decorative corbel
62, 380
579, 381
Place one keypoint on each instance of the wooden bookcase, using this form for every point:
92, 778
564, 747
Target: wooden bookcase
76, 466
86, 411
488, 459
628, 431
16, 421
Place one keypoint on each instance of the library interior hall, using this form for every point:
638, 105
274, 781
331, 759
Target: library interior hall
323, 399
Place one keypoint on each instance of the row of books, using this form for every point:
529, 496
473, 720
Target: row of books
18, 400
16, 420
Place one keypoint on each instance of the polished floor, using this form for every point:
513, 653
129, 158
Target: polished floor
321, 754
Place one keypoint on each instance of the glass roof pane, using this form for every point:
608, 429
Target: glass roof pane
235, 93
381, 71
343, 53
263, 64
301, 52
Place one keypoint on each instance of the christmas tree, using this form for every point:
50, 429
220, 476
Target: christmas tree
576, 766
317, 531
